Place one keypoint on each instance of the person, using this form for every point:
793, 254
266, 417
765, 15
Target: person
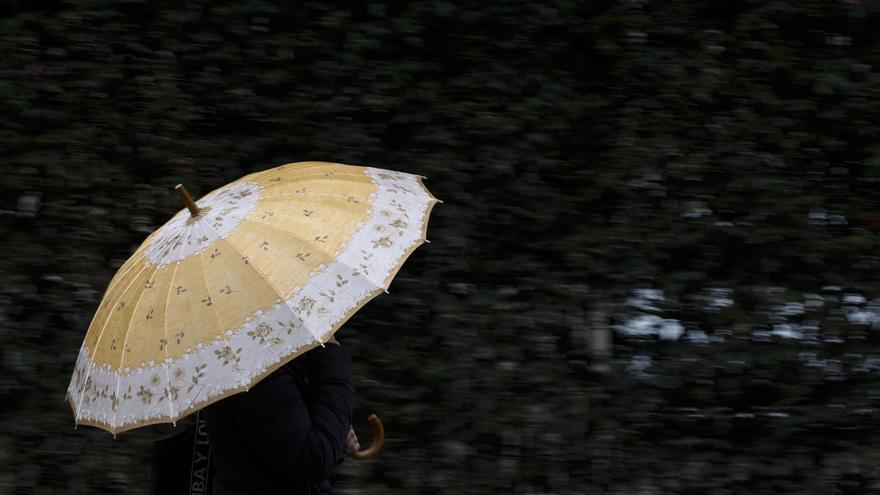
287, 433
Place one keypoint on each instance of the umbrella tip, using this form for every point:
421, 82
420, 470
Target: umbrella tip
386, 291
187, 199
427, 241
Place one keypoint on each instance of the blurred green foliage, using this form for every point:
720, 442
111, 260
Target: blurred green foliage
584, 150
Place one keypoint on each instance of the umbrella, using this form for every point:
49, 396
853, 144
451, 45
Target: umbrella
237, 284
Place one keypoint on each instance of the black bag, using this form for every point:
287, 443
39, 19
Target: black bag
182, 463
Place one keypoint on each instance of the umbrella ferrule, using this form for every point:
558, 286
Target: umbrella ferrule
187, 200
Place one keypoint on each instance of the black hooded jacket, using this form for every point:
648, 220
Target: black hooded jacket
286, 434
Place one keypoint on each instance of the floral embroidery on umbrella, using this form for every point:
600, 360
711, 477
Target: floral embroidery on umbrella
262, 331
265, 245
215, 253
78, 374
364, 267
306, 305
207, 301
87, 389
302, 256
397, 187
242, 194
399, 207
308, 213
172, 392
321, 238
267, 214
180, 289
227, 355
330, 294
340, 281
226, 290
290, 325
149, 284
179, 335
145, 394
383, 241
198, 373
154, 380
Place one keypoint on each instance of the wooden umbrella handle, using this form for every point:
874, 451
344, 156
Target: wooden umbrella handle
378, 440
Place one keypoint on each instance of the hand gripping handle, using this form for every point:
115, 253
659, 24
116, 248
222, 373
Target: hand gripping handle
378, 440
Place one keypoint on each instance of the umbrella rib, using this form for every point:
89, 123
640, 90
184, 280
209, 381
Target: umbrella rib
207, 286
291, 234
113, 283
274, 289
128, 327
165, 347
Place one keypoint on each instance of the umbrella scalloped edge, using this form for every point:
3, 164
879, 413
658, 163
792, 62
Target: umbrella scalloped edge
119, 400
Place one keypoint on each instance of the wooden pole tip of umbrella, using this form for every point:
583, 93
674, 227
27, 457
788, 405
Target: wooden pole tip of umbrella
378, 440
187, 200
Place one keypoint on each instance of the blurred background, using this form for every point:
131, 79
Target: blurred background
655, 270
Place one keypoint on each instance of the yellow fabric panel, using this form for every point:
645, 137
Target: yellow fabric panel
113, 340
116, 287
148, 318
192, 310
283, 258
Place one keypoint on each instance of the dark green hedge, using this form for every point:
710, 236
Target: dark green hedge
583, 150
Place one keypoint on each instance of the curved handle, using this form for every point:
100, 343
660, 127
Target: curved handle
378, 440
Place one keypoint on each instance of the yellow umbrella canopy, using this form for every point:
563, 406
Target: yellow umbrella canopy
254, 274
